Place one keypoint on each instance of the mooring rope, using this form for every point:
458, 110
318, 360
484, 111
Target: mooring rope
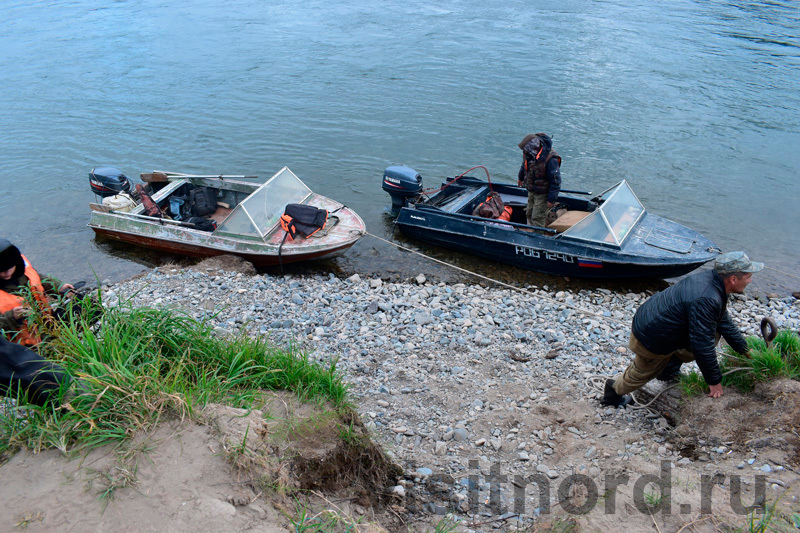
501, 283
782, 272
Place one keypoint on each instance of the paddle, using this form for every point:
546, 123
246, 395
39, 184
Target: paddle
145, 217
160, 176
568, 191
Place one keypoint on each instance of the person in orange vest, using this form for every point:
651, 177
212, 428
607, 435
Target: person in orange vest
17, 275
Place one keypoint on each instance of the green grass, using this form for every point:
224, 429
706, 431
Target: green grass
781, 360
448, 524
693, 384
139, 364
652, 498
326, 521
770, 520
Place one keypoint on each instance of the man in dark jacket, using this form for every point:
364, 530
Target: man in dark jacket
540, 174
684, 323
24, 372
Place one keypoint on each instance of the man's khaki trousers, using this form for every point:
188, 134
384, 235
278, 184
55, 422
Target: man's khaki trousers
645, 366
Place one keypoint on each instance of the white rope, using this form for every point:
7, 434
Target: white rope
782, 272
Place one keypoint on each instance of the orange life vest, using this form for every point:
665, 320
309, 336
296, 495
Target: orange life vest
493, 207
9, 301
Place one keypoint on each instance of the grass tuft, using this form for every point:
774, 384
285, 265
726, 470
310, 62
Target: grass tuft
781, 360
448, 524
326, 521
771, 520
138, 364
693, 384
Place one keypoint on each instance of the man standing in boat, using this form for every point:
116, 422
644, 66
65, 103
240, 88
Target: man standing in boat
684, 323
540, 174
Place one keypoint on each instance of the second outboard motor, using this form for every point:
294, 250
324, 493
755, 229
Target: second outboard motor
402, 183
108, 181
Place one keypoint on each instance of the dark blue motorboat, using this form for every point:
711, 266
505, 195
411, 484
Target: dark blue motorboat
610, 235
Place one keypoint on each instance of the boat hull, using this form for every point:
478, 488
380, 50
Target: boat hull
542, 253
270, 258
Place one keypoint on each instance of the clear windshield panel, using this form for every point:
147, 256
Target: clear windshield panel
613, 220
592, 228
260, 212
238, 223
622, 210
281, 189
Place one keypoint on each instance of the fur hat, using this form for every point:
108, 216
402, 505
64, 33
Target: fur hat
535, 143
528, 138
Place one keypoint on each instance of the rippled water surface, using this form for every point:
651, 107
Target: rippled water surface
696, 104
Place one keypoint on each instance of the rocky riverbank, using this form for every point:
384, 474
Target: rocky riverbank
464, 382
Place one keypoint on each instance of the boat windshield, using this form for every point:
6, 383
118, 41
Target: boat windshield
618, 213
258, 214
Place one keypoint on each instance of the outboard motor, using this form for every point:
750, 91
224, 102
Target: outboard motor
402, 183
108, 181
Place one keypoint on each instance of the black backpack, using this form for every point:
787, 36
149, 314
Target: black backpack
203, 201
303, 219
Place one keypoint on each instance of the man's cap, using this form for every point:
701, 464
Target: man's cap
731, 262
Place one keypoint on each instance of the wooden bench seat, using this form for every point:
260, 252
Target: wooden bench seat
567, 220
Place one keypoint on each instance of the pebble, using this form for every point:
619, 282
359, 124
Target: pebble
440, 448
460, 434
394, 341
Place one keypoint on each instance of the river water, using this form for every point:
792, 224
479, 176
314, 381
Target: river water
695, 103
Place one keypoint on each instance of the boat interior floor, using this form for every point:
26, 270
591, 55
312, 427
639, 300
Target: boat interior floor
467, 200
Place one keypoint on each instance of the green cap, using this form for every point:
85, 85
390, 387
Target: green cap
731, 262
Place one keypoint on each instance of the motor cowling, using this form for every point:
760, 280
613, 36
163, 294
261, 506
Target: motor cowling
402, 183
108, 181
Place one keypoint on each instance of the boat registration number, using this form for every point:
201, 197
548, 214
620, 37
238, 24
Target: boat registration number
539, 254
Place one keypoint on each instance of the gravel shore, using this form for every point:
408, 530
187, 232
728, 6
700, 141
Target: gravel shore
453, 377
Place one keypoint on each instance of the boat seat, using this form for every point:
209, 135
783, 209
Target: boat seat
220, 214
513, 199
567, 220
